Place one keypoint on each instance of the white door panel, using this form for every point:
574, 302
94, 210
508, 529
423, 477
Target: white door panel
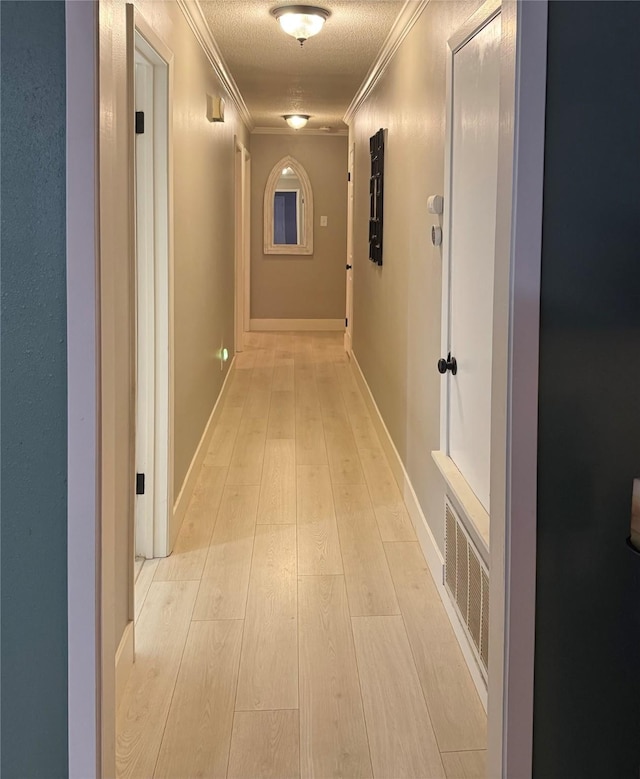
474, 167
145, 312
153, 300
349, 313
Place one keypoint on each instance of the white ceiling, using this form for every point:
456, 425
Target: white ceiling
276, 76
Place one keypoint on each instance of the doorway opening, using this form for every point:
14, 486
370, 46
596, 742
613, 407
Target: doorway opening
153, 501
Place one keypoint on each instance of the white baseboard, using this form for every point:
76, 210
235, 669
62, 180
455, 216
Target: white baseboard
189, 483
265, 325
124, 661
430, 549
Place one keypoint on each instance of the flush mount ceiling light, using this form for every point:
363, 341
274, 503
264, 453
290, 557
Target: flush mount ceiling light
296, 120
301, 21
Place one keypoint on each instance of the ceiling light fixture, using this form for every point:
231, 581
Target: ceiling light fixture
301, 21
296, 120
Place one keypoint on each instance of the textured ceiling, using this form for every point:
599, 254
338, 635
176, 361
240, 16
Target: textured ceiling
276, 76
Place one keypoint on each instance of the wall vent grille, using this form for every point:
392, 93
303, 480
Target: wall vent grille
467, 582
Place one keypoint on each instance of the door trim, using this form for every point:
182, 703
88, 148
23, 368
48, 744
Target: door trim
145, 154
159, 533
247, 240
239, 246
84, 592
514, 401
514, 434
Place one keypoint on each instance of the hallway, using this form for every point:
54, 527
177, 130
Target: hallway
296, 631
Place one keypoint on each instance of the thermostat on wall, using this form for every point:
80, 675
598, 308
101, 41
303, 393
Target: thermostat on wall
215, 109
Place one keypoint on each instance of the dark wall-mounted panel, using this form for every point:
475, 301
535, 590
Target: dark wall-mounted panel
376, 193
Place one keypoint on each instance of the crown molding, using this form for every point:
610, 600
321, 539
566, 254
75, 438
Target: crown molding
407, 17
196, 19
304, 131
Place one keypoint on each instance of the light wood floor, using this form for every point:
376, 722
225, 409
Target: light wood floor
296, 630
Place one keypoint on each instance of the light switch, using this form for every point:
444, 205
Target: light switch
323, 221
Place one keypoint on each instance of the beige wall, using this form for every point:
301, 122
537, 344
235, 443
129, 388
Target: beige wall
203, 268
204, 231
301, 286
397, 307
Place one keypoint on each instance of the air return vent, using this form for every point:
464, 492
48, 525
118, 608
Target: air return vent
467, 582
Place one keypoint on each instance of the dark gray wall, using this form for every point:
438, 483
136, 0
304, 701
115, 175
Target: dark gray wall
33, 403
587, 671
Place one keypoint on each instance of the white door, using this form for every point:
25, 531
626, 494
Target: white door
471, 200
145, 308
153, 533
349, 312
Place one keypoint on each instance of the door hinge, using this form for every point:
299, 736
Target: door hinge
346, 322
349, 176
139, 483
139, 122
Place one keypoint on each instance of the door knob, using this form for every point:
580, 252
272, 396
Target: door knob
450, 364
349, 267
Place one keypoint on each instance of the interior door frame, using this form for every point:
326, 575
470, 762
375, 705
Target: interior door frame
90, 535
514, 395
239, 247
242, 243
247, 240
348, 330
514, 402
88, 674
145, 306
157, 535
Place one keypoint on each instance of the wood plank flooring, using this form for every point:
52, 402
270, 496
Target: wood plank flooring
296, 630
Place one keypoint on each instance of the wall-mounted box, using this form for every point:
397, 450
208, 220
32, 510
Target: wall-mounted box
215, 108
